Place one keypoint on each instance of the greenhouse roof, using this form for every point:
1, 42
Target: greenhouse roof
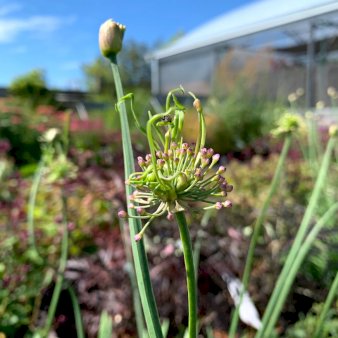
253, 18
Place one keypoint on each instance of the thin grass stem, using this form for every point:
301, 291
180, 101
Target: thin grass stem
328, 302
303, 251
257, 230
77, 313
310, 210
61, 270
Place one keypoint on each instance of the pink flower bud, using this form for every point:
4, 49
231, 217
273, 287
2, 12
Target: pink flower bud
140, 211
140, 161
221, 170
218, 205
173, 146
204, 152
215, 158
137, 237
122, 214
170, 216
227, 204
210, 152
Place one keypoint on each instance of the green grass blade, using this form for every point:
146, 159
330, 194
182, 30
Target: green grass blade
328, 302
106, 326
257, 230
310, 210
303, 251
77, 313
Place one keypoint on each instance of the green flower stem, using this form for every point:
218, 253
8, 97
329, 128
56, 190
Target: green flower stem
77, 313
303, 228
139, 255
328, 302
131, 272
257, 229
61, 270
303, 251
31, 205
190, 271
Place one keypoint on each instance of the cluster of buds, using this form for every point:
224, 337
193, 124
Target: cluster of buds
176, 173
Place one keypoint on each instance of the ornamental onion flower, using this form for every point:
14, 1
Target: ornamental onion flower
176, 173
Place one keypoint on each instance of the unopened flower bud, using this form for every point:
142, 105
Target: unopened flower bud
218, 206
227, 204
198, 174
215, 159
173, 146
110, 38
210, 152
140, 211
197, 105
141, 161
138, 237
220, 178
170, 216
204, 162
159, 154
333, 130
122, 214
221, 170
204, 152
160, 163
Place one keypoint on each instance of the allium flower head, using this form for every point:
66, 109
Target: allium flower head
287, 124
176, 173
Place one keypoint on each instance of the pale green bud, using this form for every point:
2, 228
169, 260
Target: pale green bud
110, 38
333, 130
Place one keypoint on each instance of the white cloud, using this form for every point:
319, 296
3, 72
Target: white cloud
10, 28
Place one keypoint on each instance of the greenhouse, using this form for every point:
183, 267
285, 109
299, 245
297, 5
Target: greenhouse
273, 50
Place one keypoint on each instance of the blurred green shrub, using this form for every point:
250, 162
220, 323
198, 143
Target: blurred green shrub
305, 327
31, 90
240, 119
24, 140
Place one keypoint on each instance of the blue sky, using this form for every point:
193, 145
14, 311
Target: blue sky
59, 36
